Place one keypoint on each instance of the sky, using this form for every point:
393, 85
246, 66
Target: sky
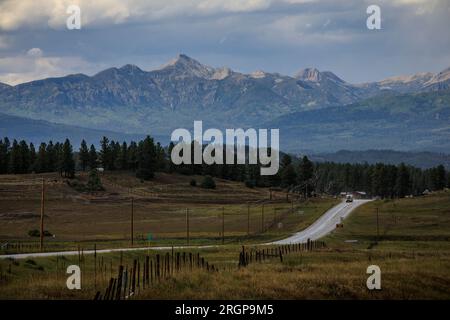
245, 35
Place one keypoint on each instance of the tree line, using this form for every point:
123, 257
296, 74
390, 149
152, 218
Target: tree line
146, 157
143, 157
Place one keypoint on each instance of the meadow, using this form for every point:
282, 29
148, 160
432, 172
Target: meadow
410, 244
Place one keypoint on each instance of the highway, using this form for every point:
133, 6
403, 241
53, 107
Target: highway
321, 227
325, 224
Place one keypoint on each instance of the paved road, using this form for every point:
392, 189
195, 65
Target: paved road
73, 253
325, 224
318, 229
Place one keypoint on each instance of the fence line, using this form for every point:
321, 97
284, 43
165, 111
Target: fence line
130, 282
249, 256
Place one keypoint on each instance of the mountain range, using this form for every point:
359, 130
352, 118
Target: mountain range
314, 110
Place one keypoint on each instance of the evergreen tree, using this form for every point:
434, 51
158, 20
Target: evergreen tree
146, 159
172, 166
379, 184
92, 157
83, 155
105, 153
68, 163
306, 170
439, 178
122, 159
15, 158
94, 183
33, 157
4, 155
52, 158
24, 153
288, 176
133, 156
114, 152
285, 161
305, 176
403, 183
59, 156
41, 159
161, 157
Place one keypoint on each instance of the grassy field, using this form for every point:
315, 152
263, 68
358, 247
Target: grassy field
159, 208
411, 247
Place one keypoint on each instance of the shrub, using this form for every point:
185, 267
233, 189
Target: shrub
94, 183
34, 233
208, 183
30, 261
250, 183
78, 186
37, 233
193, 183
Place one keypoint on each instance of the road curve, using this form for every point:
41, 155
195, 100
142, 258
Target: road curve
324, 225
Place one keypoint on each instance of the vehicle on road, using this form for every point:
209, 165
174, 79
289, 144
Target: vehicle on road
349, 198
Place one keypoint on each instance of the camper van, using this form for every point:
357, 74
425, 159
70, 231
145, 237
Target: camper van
349, 198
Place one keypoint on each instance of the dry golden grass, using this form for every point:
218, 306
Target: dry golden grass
412, 250
159, 208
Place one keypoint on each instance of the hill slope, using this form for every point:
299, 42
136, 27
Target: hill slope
410, 122
38, 131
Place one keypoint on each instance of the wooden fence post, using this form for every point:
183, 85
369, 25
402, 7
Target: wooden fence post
119, 283
133, 281
147, 272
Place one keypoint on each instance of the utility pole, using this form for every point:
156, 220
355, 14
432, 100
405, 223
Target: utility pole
248, 219
42, 215
223, 225
187, 225
274, 215
262, 219
95, 266
132, 221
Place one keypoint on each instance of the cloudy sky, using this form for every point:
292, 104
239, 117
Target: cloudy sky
245, 35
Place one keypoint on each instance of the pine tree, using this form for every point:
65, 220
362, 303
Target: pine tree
146, 159
172, 166
439, 177
306, 170
41, 159
68, 163
92, 157
122, 159
288, 176
114, 152
4, 155
285, 161
33, 157
105, 153
161, 157
403, 183
24, 152
83, 155
305, 175
59, 158
52, 158
94, 183
133, 156
15, 159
